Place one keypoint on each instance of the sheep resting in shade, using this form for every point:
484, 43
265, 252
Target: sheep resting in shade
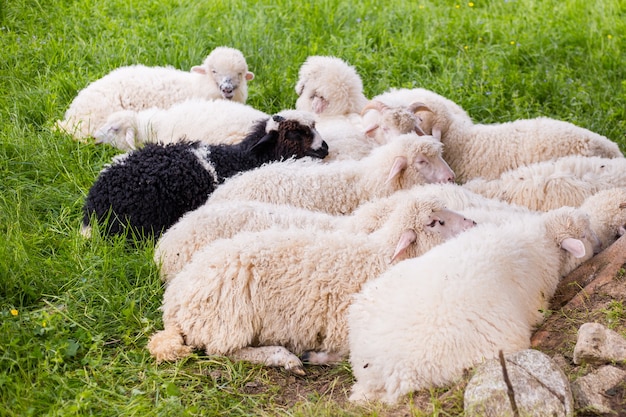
151, 188
223, 75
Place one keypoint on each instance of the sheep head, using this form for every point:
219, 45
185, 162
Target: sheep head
291, 133
385, 122
328, 86
229, 71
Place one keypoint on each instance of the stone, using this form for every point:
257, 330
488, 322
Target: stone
589, 391
597, 344
540, 388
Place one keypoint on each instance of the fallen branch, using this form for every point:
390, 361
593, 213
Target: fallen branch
577, 286
509, 385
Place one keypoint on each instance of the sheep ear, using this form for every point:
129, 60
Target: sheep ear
268, 139
198, 69
249, 76
299, 87
370, 130
408, 237
573, 246
420, 132
399, 164
436, 132
130, 138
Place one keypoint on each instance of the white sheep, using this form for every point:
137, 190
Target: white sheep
224, 219
261, 295
208, 121
547, 185
488, 150
333, 90
223, 75
426, 320
328, 86
339, 187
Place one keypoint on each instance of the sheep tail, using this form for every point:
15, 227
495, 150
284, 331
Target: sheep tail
168, 345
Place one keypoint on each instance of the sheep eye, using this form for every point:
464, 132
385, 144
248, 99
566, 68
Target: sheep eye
432, 224
441, 222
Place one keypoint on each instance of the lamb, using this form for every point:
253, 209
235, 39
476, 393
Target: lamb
151, 188
223, 75
547, 185
339, 187
488, 150
261, 295
328, 86
224, 219
470, 297
209, 121
333, 90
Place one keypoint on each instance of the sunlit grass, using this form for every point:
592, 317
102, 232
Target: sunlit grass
75, 314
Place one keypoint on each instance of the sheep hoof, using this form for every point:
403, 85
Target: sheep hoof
296, 370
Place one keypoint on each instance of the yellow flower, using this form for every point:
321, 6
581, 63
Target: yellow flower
14, 312
512, 42
456, 6
609, 36
44, 324
466, 47
470, 4
421, 6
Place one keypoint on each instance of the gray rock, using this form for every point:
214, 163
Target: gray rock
540, 387
589, 390
598, 345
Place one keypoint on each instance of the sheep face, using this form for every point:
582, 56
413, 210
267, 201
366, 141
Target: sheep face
423, 155
293, 134
429, 224
119, 130
229, 70
384, 122
571, 230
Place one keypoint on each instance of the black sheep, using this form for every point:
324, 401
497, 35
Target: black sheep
151, 188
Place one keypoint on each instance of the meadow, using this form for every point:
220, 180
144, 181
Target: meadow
76, 313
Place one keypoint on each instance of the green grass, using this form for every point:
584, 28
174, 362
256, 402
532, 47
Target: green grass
75, 314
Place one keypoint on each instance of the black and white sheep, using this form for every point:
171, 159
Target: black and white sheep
151, 188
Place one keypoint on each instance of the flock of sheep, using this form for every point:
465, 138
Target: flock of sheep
392, 231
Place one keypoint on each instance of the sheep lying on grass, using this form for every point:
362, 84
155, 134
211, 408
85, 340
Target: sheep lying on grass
488, 150
426, 320
224, 219
209, 121
333, 90
341, 186
223, 75
547, 185
261, 295
151, 188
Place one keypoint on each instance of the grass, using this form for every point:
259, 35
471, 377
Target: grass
75, 314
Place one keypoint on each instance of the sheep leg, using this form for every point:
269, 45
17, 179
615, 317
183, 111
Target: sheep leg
321, 358
271, 356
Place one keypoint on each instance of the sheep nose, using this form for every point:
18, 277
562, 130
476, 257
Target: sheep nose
451, 178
